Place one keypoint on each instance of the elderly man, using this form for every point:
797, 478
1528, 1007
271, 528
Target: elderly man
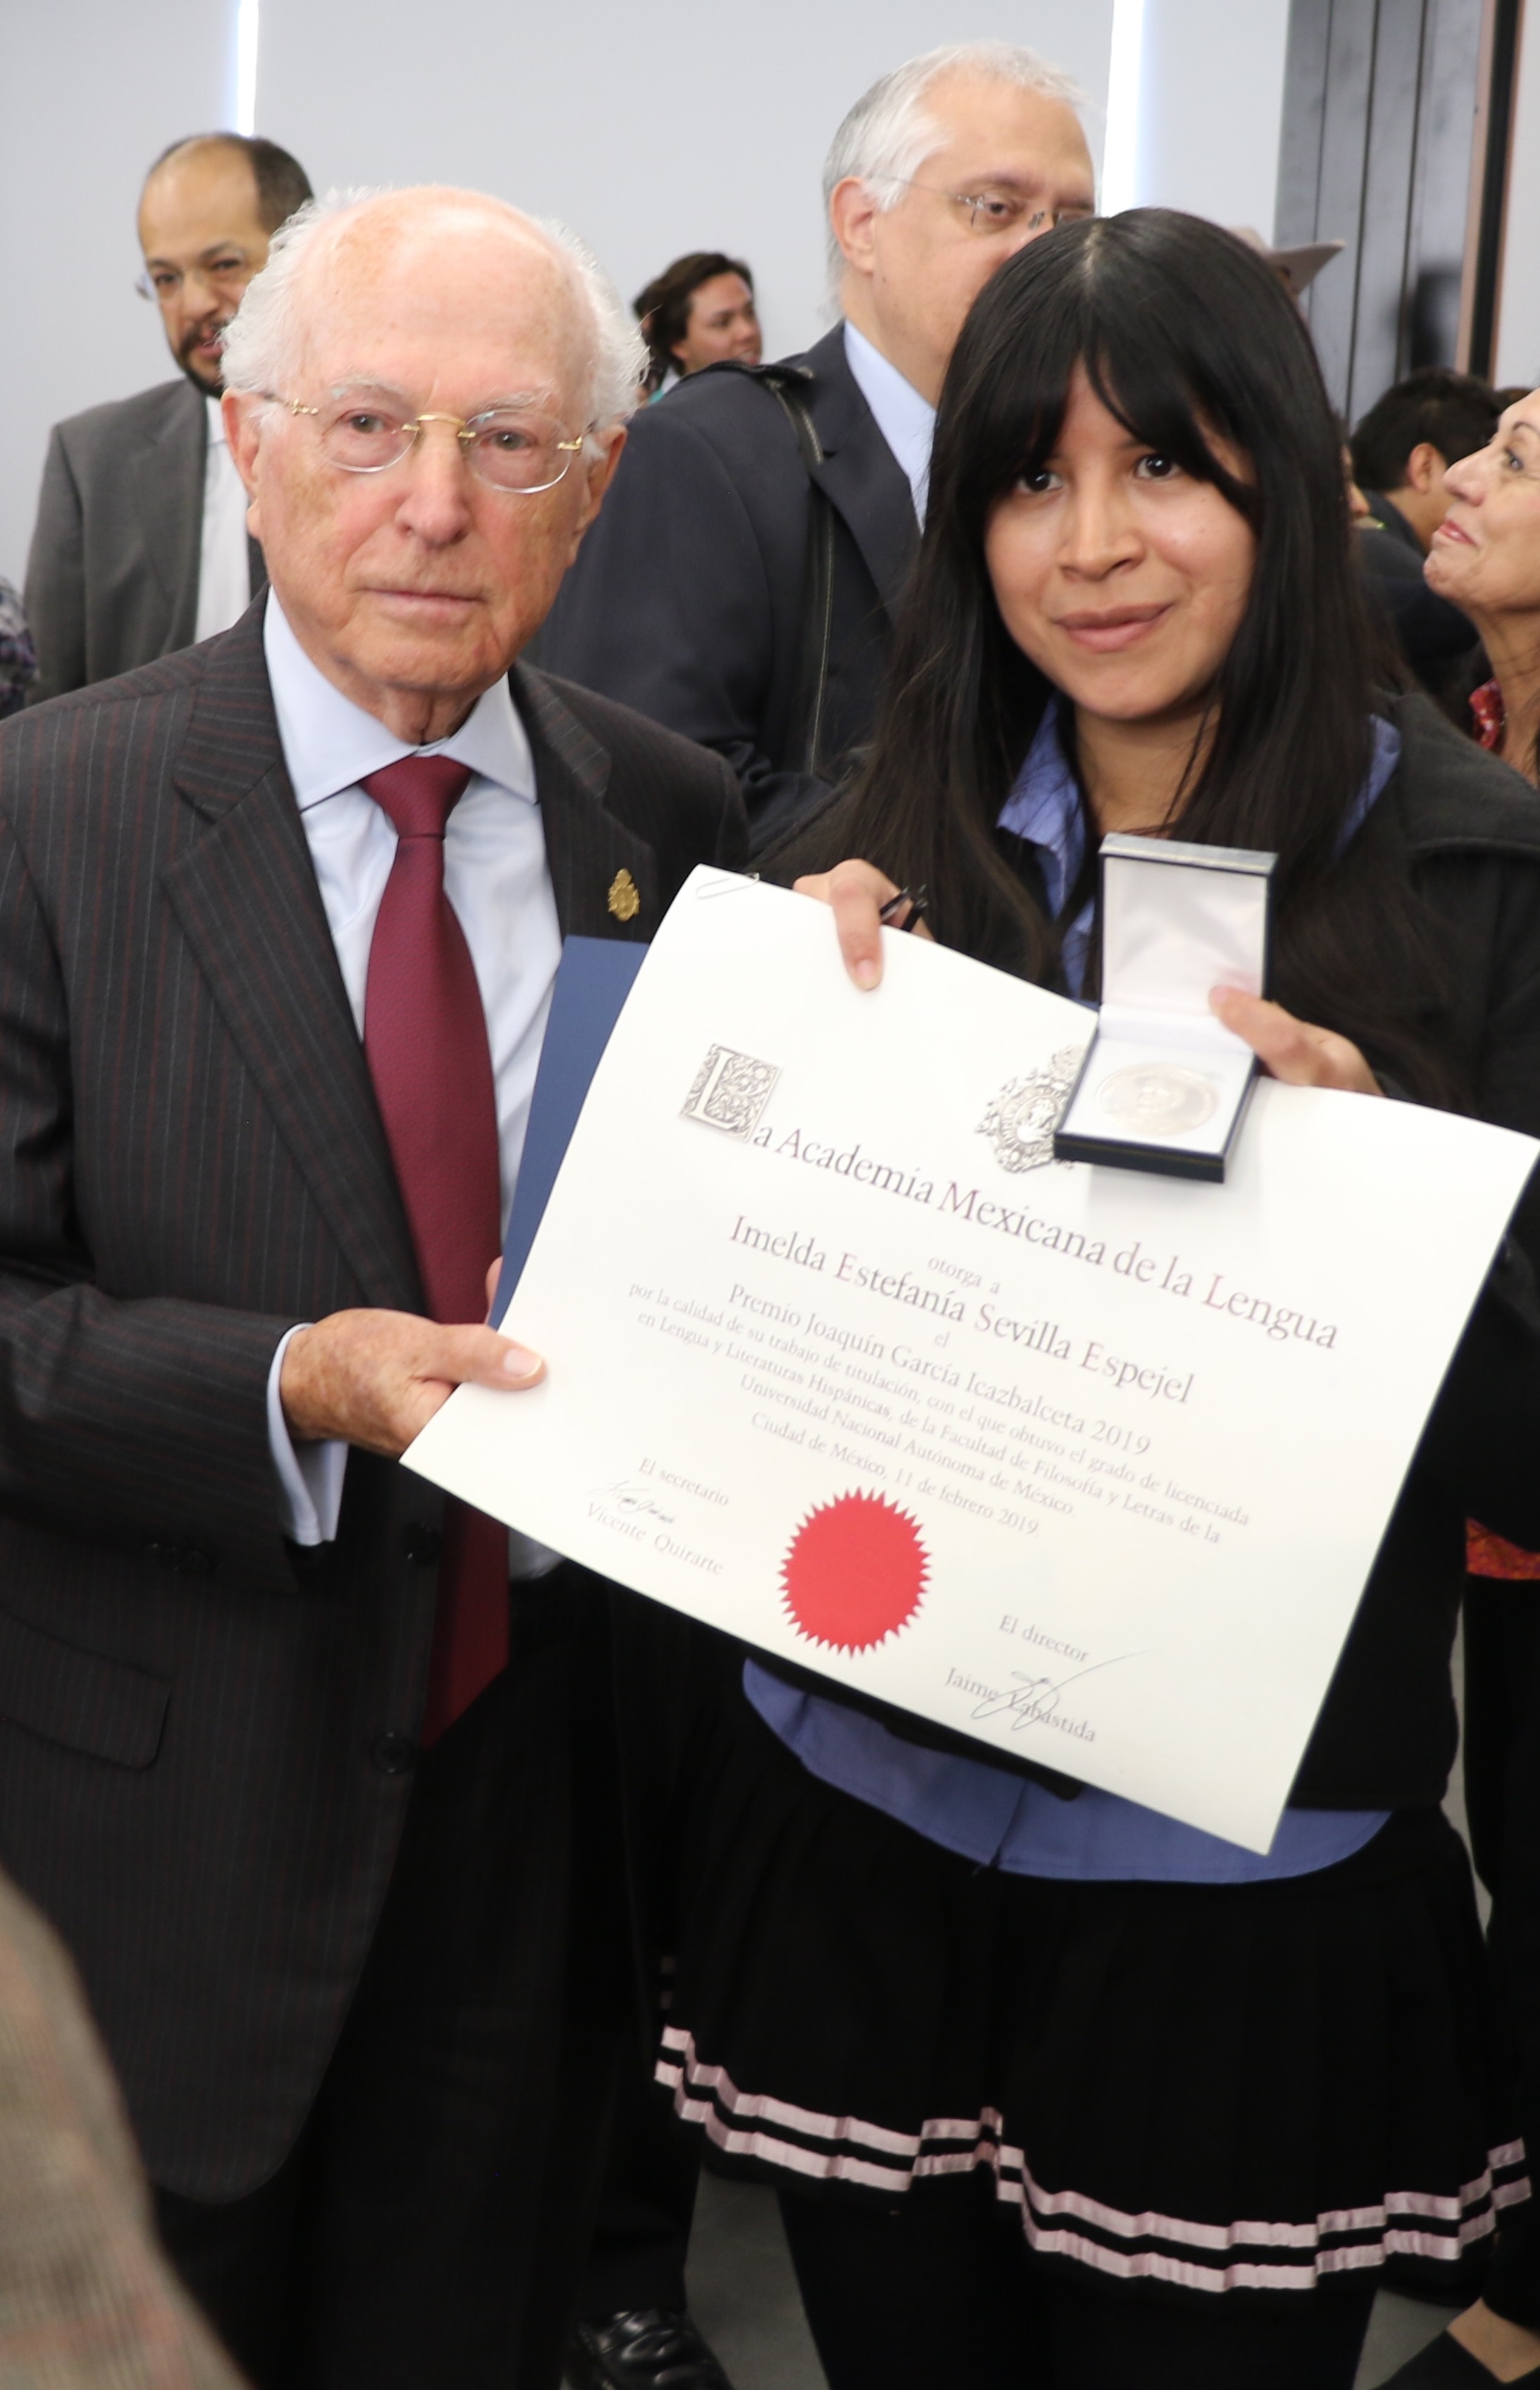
141, 543
741, 584
323, 1804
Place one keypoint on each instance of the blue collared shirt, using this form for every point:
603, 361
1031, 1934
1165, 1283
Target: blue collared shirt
990, 1815
1044, 810
906, 421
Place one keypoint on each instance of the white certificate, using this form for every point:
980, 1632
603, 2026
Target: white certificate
1089, 1465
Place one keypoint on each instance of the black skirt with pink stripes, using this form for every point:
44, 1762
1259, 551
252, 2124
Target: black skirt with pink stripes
1197, 2088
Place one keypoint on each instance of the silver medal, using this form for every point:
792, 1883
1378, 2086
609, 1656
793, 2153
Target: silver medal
1160, 1098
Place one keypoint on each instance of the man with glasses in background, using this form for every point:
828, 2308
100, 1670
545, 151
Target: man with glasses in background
739, 587
740, 584
141, 544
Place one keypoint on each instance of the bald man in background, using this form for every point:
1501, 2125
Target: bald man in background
140, 544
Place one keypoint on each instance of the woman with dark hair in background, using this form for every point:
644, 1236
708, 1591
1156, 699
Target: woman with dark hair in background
1484, 555
699, 312
1057, 2090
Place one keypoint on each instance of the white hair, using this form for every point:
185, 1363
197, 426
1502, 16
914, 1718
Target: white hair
265, 341
890, 133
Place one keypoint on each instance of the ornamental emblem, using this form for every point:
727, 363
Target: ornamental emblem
1023, 1116
624, 899
730, 1091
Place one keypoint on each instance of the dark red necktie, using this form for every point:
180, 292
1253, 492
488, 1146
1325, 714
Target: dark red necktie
426, 1039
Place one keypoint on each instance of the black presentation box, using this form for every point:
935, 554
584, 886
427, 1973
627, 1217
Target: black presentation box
1164, 1084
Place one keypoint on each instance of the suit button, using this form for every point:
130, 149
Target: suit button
187, 1559
419, 1543
393, 1755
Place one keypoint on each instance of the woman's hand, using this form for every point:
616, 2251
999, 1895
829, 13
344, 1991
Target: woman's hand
1291, 1050
1508, 2350
857, 891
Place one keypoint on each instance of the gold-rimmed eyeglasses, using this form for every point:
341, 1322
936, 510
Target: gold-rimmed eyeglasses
509, 447
996, 210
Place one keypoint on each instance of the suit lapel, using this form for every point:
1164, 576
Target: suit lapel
167, 499
245, 896
595, 861
860, 474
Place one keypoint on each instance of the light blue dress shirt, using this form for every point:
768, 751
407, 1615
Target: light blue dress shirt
1043, 808
497, 879
906, 421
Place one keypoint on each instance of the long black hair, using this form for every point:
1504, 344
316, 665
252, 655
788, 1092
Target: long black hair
1185, 335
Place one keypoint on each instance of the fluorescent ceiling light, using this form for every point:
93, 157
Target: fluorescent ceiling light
1119, 157
246, 65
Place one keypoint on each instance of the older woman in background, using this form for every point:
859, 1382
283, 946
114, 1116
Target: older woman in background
1485, 556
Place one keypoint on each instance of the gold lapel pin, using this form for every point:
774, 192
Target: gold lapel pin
622, 899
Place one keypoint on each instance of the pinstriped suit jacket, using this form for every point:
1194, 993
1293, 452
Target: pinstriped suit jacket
191, 1160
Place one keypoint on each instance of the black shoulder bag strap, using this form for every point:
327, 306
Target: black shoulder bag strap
806, 720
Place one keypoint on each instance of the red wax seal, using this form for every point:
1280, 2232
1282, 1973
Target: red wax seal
855, 1572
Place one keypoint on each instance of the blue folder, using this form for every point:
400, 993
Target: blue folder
594, 978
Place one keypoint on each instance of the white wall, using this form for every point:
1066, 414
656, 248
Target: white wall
653, 129
90, 92
681, 125
1517, 345
1211, 107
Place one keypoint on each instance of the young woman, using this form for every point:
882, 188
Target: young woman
1058, 2091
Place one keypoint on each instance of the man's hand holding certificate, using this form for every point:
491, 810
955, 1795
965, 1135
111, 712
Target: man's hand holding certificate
1089, 1465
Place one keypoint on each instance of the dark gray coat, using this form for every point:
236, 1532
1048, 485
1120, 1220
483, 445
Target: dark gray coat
687, 599
112, 575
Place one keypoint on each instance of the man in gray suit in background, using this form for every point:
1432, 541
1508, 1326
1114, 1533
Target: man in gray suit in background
140, 544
